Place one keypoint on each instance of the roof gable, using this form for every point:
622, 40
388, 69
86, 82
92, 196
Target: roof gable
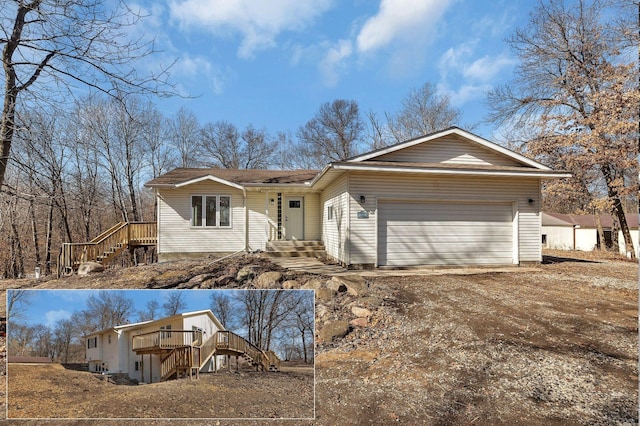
232, 177
450, 146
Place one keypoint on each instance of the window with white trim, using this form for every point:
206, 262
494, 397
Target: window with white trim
211, 211
329, 212
92, 342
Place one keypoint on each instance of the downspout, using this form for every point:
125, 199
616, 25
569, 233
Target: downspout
246, 220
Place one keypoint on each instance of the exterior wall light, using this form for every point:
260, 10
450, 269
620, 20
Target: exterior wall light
362, 199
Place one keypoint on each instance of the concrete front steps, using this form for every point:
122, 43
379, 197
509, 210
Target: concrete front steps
295, 249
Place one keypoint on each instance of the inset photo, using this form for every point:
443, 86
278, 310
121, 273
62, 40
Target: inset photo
164, 354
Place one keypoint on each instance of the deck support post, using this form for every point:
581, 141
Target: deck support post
237, 367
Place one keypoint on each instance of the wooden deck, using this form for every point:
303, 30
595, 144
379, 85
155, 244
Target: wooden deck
107, 245
185, 351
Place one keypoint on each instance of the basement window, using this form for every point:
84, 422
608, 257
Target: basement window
211, 211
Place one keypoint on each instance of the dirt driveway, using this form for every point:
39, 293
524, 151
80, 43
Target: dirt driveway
556, 346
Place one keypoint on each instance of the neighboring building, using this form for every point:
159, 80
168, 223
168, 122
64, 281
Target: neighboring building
580, 232
141, 349
449, 198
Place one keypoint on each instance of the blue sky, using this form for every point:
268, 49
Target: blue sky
273, 63
49, 306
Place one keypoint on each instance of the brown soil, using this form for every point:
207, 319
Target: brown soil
553, 344
51, 391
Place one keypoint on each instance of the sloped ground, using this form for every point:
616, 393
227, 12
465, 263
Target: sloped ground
555, 344
51, 391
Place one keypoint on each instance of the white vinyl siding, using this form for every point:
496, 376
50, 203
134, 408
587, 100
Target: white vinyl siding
257, 204
450, 150
312, 216
334, 231
444, 189
176, 235
444, 233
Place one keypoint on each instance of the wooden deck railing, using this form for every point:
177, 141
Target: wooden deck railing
178, 359
185, 350
106, 245
229, 341
166, 339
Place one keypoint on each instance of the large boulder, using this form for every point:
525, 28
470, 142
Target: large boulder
312, 284
87, 268
246, 273
269, 279
333, 330
355, 284
290, 284
325, 294
360, 312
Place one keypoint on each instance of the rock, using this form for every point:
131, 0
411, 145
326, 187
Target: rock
361, 312
339, 287
333, 329
268, 280
312, 284
370, 301
359, 322
325, 294
290, 284
87, 268
322, 312
223, 281
355, 284
246, 273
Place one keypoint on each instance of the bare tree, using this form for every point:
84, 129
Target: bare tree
423, 111
334, 133
184, 134
63, 337
60, 44
175, 303
264, 312
152, 311
230, 149
304, 324
577, 88
107, 309
221, 308
17, 302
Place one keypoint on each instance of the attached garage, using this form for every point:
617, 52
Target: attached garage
445, 233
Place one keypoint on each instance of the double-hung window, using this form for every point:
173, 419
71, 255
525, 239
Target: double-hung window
213, 211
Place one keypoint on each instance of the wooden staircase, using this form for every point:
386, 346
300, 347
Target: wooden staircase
297, 248
184, 354
107, 245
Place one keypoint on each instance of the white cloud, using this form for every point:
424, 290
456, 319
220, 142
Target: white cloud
487, 67
52, 317
258, 22
400, 19
333, 61
199, 68
464, 78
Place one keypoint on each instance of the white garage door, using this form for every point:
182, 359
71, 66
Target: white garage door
436, 233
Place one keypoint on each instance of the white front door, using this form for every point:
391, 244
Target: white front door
294, 218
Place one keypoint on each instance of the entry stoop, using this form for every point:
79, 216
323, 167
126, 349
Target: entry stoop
295, 249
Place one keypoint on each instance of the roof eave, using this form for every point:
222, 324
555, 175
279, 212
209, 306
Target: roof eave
399, 169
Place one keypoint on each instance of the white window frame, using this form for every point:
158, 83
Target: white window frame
330, 213
203, 213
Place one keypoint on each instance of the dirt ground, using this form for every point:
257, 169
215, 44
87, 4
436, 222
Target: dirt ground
553, 344
51, 391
